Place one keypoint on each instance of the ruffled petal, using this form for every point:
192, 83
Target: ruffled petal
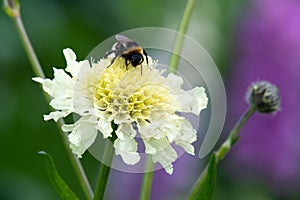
83, 134
56, 115
186, 136
164, 153
124, 129
62, 104
62, 84
104, 124
152, 130
46, 83
193, 101
127, 149
84, 90
148, 148
72, 65
61, 90
174, 82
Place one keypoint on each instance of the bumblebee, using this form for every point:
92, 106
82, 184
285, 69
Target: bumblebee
128, 49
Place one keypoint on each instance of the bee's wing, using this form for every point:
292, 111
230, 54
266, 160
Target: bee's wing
126, 42
122, 38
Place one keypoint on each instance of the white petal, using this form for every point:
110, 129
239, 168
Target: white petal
174, 81
105, 128
127, 149
171, 128
201, 99
85, 87
62, 84
193, 100
152, 130
38, 79
83, 134
187, 135
164, 154
46, 83
61, 90
68, 127
72, 65
69, 55
62, 104
169, 169
125, 129
56, 115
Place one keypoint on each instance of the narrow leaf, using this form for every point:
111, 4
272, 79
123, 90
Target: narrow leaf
204, 187
62, 189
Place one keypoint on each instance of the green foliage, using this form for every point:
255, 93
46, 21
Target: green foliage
204, 188
62, 189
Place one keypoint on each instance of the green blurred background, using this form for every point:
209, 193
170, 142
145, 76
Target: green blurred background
81, 25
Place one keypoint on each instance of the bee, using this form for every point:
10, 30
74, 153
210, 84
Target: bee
128, 49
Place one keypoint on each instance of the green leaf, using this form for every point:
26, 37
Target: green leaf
204, 187
62, 189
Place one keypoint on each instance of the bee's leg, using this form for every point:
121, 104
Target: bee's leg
112, 61
142, 66
108, 53
126, 63
145, 53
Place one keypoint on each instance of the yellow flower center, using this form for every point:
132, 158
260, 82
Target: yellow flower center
128, 95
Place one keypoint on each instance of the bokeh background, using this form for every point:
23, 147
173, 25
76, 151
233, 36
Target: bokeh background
249, 41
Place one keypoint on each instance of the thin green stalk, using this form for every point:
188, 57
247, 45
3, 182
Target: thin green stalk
83, 180
104, 172
174, 60
36, 67
173, 65
233, 135
147, 179
12, 9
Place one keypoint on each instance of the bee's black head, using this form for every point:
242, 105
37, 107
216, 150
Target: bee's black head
136, 59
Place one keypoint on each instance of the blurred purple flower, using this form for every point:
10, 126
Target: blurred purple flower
269, 48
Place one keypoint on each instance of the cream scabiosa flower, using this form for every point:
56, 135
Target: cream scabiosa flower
107, 96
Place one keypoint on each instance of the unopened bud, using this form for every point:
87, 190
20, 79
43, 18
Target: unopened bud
12, 8
264, 96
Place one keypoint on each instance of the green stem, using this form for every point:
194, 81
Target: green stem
104, 172
38, 71
233, 135
174, 60
147, 179
79, 171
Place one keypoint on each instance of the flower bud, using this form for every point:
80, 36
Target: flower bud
264, 96
12, 8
